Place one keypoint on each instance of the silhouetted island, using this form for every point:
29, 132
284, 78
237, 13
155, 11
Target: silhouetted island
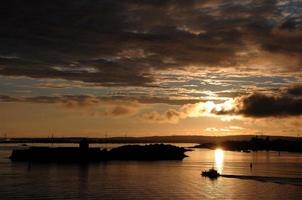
256, 144
84, 153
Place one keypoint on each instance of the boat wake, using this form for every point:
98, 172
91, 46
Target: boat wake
279, 180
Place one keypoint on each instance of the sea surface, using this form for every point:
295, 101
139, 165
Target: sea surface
280, 177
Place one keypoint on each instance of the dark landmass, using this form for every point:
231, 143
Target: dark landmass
152, 139
257, 144
86, 154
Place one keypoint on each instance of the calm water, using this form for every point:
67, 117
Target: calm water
154, 180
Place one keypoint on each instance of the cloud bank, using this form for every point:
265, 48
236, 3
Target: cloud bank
124, 42
284, 104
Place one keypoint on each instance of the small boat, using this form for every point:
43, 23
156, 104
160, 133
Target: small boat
211, 173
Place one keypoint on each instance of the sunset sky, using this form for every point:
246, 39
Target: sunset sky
150, 67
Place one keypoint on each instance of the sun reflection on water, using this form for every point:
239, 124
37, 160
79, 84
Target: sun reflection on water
219, 158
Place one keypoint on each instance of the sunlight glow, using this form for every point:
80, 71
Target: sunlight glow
219, 158
209, 108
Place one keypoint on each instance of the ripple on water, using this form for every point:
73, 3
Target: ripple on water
151, 180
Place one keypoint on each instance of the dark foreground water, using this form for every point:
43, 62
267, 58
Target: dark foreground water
281, 178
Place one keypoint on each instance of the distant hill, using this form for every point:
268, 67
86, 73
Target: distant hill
257, 144
151, 139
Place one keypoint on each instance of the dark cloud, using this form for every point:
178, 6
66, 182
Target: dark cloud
258, 105
169, 116
288, 103
230, 94
121, 42
295, 90
72, 101
120, 110
4, 98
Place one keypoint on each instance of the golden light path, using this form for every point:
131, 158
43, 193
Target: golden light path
219, 158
